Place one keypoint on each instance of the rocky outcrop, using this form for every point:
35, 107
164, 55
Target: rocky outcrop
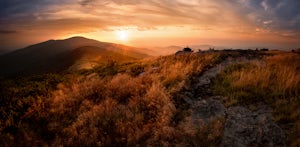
243, 127
251, 128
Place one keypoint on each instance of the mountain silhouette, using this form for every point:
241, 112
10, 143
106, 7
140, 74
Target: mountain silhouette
60, 55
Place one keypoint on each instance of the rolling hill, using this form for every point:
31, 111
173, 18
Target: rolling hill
61, 55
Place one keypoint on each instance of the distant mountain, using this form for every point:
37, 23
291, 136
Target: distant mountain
202, 47
167, 50
173, 48
60, 55
3, 52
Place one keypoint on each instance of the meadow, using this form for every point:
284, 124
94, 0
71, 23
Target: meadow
136, 103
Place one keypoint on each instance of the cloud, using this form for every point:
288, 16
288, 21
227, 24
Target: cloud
279, 17
283, 13
86, 2
181, 11
265, 5
7, 32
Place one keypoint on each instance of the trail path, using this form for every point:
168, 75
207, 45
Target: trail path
243, 127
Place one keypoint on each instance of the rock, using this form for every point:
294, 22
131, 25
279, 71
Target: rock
208, 109
184, 51
188, 100
188, 94
242, 127
142, 74
245, 128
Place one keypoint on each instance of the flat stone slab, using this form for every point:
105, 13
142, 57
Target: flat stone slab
251, 128
208, 109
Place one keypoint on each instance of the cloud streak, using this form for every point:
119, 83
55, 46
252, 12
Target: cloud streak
7, 32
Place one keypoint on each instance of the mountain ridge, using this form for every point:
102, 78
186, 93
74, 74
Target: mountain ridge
56, 55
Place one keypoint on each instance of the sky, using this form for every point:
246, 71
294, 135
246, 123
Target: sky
152, 23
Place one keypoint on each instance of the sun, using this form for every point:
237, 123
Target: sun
122, 35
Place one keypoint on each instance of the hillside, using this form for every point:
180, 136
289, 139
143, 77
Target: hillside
88, 57
211, 98
60, 55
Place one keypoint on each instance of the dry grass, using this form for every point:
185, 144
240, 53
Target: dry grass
274, 81
133, 107
125, 109
279, 74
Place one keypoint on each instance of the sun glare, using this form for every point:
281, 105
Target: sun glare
122, 35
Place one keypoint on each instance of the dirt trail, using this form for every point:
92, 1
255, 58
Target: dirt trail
242, 126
